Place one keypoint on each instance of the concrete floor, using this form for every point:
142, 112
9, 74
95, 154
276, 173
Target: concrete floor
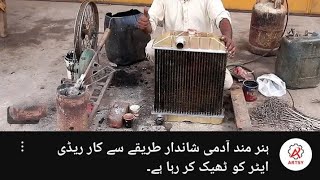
41, 33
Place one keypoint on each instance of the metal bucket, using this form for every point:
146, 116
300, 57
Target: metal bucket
72, 114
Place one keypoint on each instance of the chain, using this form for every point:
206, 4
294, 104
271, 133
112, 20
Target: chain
278, 113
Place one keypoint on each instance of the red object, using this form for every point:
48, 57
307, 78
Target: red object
128, 118
240, 72
117, 110
249, 96
250, 90
115, 123
26, 113
90, 107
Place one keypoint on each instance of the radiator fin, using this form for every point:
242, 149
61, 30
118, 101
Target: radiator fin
189, 82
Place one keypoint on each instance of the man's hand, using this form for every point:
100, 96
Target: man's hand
144, 23
230, 46
226, 31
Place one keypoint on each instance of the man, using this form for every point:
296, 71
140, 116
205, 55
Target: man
181, 15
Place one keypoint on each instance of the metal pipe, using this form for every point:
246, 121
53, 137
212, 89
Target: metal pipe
180, 41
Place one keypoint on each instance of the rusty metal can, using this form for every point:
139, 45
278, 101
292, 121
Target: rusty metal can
72, 114
266, 29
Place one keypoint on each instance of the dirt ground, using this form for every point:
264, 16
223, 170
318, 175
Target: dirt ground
41, 33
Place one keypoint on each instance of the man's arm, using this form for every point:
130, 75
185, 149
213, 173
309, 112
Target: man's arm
220, 17
149, 20
226, 28
144, 23
226, 31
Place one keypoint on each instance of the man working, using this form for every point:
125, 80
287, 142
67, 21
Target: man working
181, 15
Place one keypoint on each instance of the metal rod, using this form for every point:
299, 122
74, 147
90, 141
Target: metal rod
100, 45
99, 71
97, 103
100, 79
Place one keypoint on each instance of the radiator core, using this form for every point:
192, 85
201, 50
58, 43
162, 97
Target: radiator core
189, 80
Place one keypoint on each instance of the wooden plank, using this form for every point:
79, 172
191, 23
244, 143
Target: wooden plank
240, 109
194, 119
3, 21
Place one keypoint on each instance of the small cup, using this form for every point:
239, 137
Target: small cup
128, 118
134, 109
250, 90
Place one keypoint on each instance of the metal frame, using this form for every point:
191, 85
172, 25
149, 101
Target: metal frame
102, 83
88, 11
204, 42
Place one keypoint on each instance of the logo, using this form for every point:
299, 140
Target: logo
295, 151
295, 154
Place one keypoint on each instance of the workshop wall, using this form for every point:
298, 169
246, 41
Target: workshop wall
295, 6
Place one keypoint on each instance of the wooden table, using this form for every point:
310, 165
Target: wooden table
3, 19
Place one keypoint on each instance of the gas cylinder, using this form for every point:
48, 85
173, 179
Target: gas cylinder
298, 60
267, 26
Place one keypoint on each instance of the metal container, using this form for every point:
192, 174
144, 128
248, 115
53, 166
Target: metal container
189, 74
298, 60
266, 29
72, 114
